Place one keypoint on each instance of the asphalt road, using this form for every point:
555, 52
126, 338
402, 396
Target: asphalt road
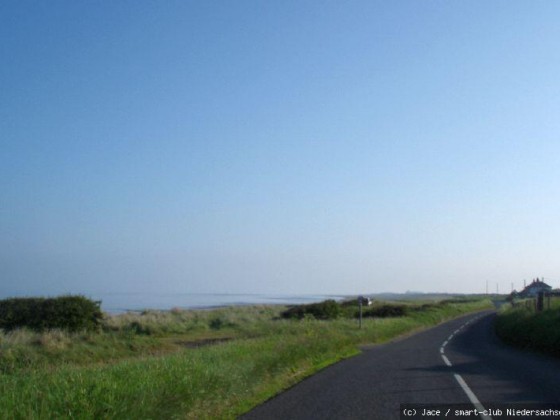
461, 361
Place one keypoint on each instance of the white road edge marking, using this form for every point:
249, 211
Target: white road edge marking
470, 394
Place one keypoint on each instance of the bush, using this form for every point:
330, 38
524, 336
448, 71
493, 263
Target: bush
72, 313
328, 309
386, 311
136, 327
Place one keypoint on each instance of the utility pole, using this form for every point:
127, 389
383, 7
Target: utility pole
486, 287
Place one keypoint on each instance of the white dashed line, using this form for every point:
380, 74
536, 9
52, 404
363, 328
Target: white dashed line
472, 397
470, 394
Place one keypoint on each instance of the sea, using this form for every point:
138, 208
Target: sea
124, 302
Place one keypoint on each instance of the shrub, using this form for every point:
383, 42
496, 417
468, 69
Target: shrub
328, 309
136, 327
427, 306
386, 311
72, 313
216, 323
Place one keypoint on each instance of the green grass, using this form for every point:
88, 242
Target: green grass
521, 326
140, 373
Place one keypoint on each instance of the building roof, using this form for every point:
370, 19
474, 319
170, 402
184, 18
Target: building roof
536, 285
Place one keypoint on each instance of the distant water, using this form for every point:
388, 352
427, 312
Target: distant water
122, 302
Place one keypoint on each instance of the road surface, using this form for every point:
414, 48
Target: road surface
461, 361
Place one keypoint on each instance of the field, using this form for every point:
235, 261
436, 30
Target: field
188, 364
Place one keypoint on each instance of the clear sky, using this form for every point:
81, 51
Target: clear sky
278, 146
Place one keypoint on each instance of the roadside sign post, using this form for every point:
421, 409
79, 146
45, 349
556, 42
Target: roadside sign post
361, 301
360, 306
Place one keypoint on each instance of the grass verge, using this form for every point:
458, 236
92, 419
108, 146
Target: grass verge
220, 381
522, 327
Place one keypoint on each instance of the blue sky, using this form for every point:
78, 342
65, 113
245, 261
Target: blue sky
278, 147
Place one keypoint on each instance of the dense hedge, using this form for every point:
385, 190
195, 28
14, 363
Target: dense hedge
329, 309
73, 313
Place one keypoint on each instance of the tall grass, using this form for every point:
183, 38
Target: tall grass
131, 335
213, 382
220, 381
521, 326
179, 321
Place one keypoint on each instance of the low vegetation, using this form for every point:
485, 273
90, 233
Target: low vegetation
522, 326
329, 309
189, 364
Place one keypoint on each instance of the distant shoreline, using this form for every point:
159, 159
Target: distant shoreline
137, 302
134, 302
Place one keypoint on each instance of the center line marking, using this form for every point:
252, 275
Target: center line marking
470, 394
